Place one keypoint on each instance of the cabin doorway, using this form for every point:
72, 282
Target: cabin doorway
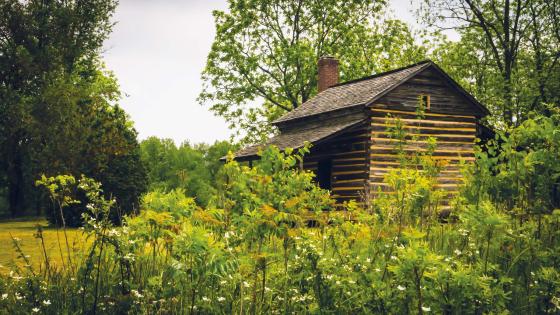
324, 173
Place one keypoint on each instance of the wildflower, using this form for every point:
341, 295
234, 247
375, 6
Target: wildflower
223, 282
401, 288
426, 308
246, 284
35, 310
137, 294
393, 258
377, 270
47, 302
205, 299
4, 296
221, 299
457, 252
368, 260
18, 297
337, 282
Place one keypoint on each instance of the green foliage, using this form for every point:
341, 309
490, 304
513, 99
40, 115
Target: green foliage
193, 168
58, 104
251, 252
266, 52
507, 55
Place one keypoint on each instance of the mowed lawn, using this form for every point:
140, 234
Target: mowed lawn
25, 230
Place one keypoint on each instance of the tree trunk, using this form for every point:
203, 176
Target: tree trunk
15, 185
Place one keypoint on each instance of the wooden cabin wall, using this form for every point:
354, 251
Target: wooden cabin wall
450, 119
350, 166
455, 136
443, 98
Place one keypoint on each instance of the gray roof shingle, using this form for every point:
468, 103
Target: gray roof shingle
358, 92
297, 138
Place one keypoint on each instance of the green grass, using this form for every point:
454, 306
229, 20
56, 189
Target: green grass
25, 230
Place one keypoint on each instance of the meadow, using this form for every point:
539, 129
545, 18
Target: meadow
25, 230
252, 251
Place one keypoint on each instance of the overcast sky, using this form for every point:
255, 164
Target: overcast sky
157, 50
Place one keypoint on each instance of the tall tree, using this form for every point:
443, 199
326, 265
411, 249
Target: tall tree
57, 104
40, 41
514, 43
263, 61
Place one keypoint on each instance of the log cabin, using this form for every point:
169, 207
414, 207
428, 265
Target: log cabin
346, 125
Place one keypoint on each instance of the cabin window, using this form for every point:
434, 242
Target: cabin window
324, 172
425, 99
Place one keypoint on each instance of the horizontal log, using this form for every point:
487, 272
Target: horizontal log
435, 157
386, 148
431, 128
424, 122
427, 114
439, 142
349, 172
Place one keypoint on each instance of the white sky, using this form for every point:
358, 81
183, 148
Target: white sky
157, 51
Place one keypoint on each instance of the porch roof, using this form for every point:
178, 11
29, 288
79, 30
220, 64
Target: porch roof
296, 139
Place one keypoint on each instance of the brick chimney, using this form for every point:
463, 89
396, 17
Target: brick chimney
327, 72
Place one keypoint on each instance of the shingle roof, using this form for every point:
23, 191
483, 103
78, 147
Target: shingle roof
353, 93
297, 138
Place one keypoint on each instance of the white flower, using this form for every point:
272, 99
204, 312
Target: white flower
137, 294
18, 297
35, 310
401, 288
223, 282
221, 299
205, 299
368, 260
426, 308
47, 302
457, 252
4, 296
246, 284
377, 270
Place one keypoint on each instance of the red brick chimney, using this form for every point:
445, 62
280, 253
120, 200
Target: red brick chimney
327, 72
